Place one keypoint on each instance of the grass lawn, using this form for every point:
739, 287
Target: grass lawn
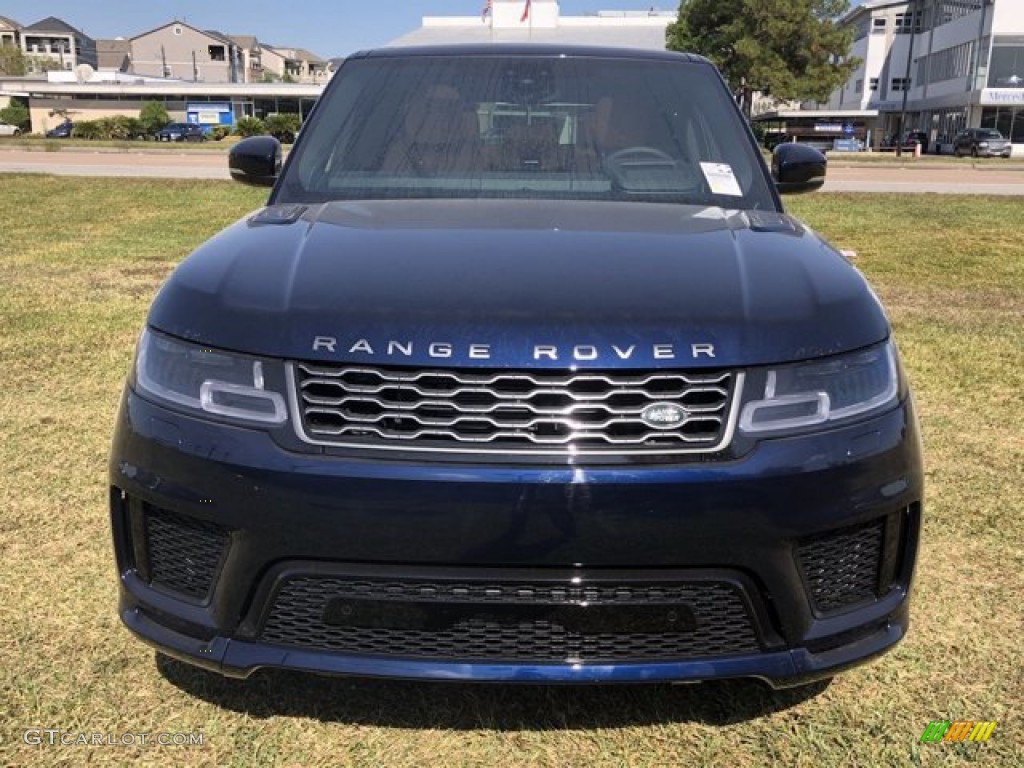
80, 260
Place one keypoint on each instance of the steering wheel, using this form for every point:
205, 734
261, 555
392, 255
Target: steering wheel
641, 156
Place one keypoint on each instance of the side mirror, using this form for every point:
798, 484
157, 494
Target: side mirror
798, 168
256, 161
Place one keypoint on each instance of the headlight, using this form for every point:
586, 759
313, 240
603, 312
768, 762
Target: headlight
795, 397
982, 144
207, 380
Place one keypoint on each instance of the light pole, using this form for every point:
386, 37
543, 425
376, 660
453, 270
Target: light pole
976, 66
914, 15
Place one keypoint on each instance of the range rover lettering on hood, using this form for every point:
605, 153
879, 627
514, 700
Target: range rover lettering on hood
481, 351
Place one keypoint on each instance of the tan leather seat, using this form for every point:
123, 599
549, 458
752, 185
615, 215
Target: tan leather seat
440, 134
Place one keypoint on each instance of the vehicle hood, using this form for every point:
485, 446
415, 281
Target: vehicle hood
485, 283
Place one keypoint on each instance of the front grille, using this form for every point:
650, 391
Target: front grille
181, 553
461, 620
514, 411
843, 567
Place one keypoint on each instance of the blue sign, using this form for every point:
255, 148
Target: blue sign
209, 114
847, 145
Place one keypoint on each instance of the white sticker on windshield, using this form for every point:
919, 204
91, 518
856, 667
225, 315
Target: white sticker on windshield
721, 179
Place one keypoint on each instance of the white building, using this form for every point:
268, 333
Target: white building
955, 63
508, 22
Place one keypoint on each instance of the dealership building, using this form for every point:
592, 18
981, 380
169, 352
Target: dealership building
57, 95
948, 64
541, 21
103, 93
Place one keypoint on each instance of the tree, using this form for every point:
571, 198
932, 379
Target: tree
16, 113
12, 61
152, 117
788, 49
43, 64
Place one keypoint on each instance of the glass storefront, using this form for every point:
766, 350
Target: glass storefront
1009, 121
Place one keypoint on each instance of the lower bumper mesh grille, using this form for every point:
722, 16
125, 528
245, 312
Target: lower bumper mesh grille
522, 621
182, 553
843, 567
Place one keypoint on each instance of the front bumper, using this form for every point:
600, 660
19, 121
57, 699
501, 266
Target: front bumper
805, 547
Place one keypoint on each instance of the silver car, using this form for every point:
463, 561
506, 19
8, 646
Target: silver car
981, 142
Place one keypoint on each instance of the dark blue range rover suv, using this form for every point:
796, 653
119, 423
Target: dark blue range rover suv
522, 374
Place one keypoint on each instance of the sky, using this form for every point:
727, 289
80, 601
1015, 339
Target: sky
328, 28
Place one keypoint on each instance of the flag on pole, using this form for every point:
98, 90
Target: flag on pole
488, 10
526, 12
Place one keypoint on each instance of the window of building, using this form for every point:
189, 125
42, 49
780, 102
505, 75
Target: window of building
859, 87
1009, 121
908, 22
878, 26
168, 70
1006, 69
873, 84
951, 10
947, 64
217, 53
900, 84
177, 30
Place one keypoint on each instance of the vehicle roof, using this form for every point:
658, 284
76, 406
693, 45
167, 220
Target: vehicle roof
530, 49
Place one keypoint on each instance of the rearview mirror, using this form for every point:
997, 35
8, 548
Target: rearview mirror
798, 168
256, 161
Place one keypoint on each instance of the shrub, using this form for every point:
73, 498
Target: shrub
133, 126
118, 127
87, 129
249, 126
153, 116
219, 132
283, 127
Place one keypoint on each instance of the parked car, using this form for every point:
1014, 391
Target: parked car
910, 141
522, 374
913, 138
62, 131
981, 142
9, 130
181, 132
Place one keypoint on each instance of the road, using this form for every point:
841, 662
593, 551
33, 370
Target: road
995, 180
156, 164
965, 180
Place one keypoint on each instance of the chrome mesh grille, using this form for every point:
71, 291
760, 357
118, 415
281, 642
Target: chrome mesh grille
535, 411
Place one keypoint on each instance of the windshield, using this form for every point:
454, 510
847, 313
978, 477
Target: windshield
989, 135
534, 127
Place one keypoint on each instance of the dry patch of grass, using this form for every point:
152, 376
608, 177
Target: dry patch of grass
79, 262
